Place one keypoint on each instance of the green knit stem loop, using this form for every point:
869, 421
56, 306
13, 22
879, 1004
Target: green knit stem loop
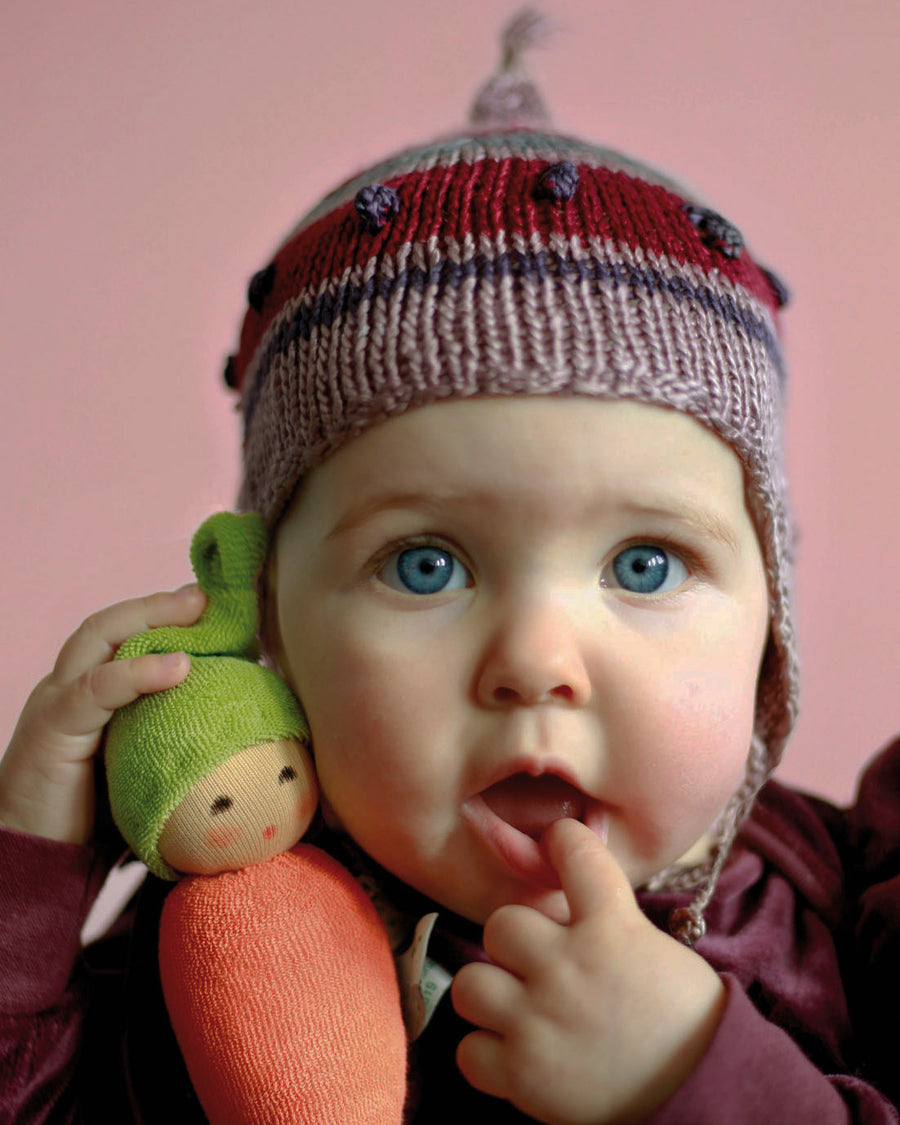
227, 554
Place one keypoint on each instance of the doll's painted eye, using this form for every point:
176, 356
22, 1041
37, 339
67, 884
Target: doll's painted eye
220, 805
287, 774
424, 570
645, 569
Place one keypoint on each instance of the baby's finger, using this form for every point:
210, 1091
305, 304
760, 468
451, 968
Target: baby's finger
97, 638
86, 705
518, 939
590, 876
480, 1058
486, 996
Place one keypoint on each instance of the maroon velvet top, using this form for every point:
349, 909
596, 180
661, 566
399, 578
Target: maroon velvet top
804, 928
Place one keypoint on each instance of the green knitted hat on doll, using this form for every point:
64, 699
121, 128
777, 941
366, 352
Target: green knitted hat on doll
160, 746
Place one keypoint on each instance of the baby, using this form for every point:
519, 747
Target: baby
512, 408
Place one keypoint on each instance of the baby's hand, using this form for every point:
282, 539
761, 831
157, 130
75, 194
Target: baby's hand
47, 772
597, 1021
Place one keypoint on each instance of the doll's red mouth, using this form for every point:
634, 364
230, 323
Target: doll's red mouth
531, 804
269, 832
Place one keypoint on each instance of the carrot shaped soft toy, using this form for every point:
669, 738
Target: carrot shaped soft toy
276, 970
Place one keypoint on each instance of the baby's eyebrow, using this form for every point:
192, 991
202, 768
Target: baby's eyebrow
693, 515
386, 502
677, 510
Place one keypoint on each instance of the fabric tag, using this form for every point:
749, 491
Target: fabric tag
422, 981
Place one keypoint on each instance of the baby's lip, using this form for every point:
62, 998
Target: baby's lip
530, 804
511, 813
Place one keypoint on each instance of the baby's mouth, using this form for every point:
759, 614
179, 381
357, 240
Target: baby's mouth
532, 804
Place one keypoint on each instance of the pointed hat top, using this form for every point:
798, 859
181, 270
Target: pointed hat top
510, 97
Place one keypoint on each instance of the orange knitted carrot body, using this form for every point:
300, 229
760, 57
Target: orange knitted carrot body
281, 988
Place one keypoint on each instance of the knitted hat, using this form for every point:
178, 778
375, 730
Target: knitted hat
512, 260
161, 745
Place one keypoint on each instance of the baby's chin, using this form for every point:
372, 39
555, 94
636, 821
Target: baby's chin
641, 873
554, 905
698, 852
551, 903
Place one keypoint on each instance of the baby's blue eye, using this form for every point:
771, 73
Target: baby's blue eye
424, 570
648, 569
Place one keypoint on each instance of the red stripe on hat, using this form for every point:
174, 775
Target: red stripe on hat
484, 199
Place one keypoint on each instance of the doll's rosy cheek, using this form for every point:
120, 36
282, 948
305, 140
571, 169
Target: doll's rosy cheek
304, 810
220, 837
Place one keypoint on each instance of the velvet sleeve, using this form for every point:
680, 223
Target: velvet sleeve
875, 837
753, 1071
46, 889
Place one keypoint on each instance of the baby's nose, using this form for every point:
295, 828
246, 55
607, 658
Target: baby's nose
534, 655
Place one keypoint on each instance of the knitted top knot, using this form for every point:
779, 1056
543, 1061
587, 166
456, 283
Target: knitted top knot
161, 745
510, 98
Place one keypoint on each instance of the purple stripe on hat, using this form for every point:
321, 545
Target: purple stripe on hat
308, 313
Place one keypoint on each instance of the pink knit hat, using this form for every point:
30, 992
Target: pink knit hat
516, 261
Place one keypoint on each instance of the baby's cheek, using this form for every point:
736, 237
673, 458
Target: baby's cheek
687, 750
706, 754
221, 837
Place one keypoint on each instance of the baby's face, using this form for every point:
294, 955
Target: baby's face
499, 612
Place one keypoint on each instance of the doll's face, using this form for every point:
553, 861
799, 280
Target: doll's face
499, 612
253, 806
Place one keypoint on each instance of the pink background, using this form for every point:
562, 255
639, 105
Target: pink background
154, 154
